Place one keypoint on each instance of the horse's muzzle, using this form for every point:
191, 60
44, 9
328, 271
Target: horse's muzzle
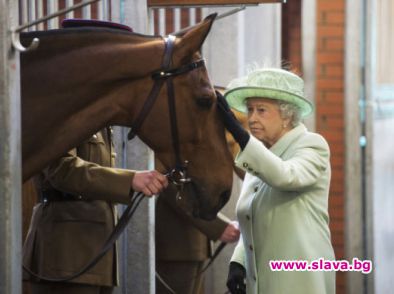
211, 214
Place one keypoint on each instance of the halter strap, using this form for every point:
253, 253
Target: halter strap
136, 126
166, 75
178, 71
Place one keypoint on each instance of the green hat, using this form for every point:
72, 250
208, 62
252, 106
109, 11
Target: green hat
272, 83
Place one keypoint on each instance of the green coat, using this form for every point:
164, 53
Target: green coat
65, 235
283, 213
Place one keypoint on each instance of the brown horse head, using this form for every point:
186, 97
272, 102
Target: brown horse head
201, 132
82, 79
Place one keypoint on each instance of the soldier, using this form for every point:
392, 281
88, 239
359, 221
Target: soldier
77, 214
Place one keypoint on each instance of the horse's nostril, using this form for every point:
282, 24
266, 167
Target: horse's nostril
196, 213
225, 196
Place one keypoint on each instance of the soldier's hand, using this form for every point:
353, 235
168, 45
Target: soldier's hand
149, 182
231, 233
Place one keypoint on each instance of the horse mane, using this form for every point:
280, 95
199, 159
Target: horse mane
79, 22
84, 29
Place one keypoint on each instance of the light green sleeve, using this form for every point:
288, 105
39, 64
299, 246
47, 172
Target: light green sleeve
303, 169
239, 253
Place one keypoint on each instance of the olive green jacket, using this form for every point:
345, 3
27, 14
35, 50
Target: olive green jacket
66, 235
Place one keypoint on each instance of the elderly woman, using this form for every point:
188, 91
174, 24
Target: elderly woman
283, 206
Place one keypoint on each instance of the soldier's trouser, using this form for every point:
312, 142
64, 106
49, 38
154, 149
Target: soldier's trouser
68, 288
181, 276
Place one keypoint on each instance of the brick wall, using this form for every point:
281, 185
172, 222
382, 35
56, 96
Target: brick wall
330, 111
329, 97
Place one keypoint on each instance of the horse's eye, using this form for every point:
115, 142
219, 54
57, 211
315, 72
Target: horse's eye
205, 102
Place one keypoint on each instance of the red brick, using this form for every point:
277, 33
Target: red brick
337, 159
337, 174
330, 31
330, 109
322, 117
337, 185
341, 278
334, 17
329, 113
320, 43
334, 44
332, 95
337, 239
325, 126
336, 123
336, 188
336, 201
337, 226
339, 253
331, 57
336, 195
336, 229
330, 5
333, 70
327, 83
333, 138
323, 102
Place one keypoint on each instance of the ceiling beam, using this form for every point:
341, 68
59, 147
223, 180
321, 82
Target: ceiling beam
181, 3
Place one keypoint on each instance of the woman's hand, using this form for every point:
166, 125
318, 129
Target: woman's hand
236, 278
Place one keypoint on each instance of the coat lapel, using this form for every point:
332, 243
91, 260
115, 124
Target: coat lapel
286, 141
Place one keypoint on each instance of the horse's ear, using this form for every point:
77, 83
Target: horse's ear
192, 38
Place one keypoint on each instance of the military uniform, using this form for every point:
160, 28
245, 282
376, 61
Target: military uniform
69, 227
183, 243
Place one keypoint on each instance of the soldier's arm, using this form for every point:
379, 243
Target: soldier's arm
74, 175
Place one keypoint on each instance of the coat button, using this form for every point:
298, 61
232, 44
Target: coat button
254, 278
245, 165
94, 136
247, 217
251, 247
256, 189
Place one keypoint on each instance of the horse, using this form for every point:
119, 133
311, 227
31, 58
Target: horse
82, 79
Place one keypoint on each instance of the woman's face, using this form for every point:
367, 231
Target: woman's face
265, 122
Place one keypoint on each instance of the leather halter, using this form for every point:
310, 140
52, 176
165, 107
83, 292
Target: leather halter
178, 175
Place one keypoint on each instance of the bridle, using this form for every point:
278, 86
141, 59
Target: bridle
177, 175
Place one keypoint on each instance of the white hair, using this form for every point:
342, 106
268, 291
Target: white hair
290, 111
